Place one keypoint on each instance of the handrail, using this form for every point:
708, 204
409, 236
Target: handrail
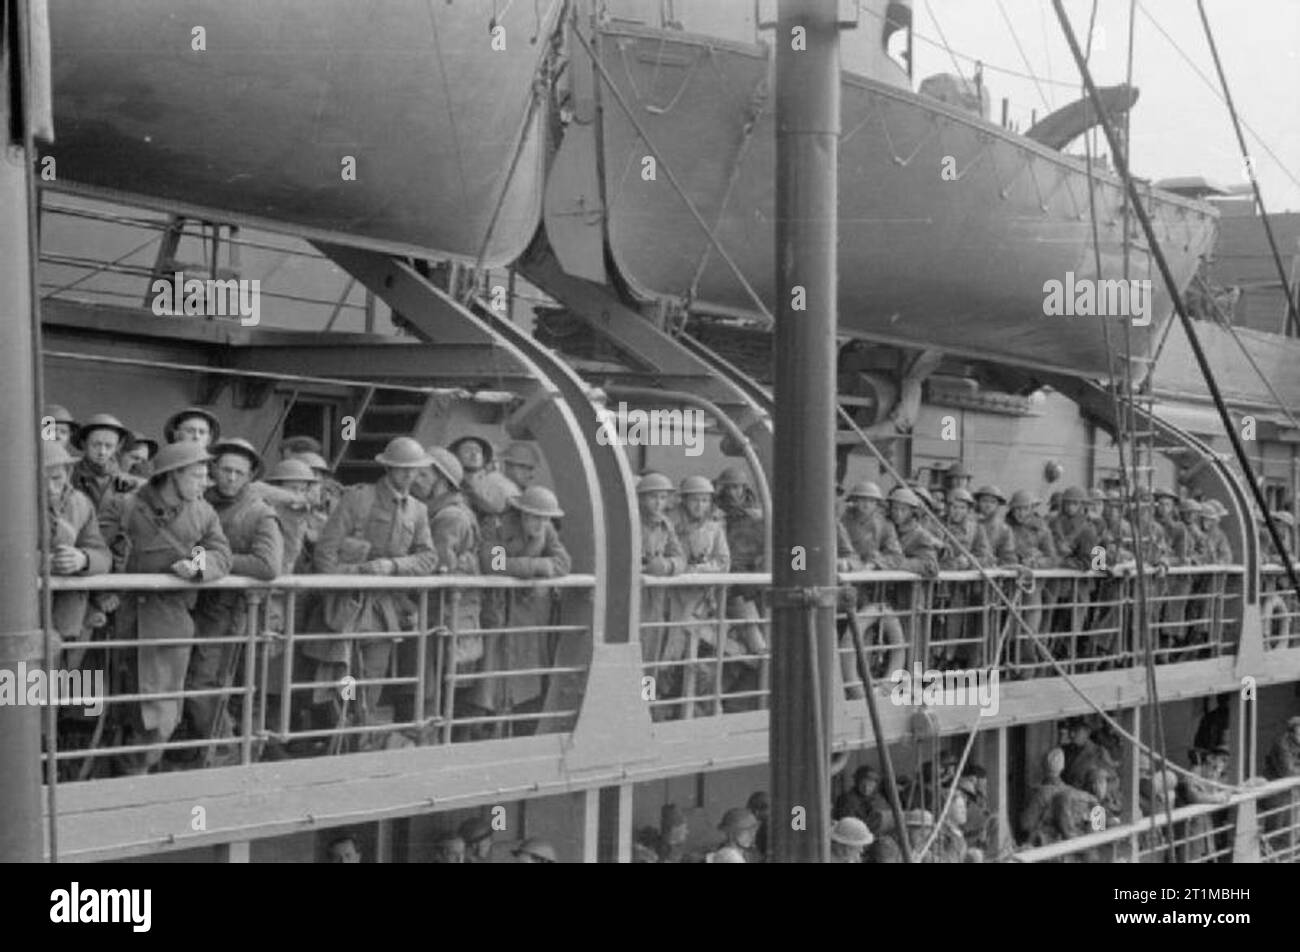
948, 575
238, 583
1256, 789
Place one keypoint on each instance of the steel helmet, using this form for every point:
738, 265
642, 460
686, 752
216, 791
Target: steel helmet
696, 485
54, 453
865, 489
445, 462
1285, 518
483, 445
178, 456
1114, 495
58, 413
139, 439
239, 447
1097, 494
851, 831
991, 491
654, 483
314, 460
292, 470
1145, 496
521, 454
961, 495
100, 421
737, 819
537, 848
1165, 493
1022, 497
538, 501
1189, 505
1074, 494
1215, 509
906, 497
918, 818
176, 419
295, 445
404, 452
731, 476
957, 471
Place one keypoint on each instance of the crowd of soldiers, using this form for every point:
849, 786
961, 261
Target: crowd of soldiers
200, 506
716, 527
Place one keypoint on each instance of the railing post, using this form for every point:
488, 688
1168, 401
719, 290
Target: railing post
286, 674
421, 654
1245, 843
256, 603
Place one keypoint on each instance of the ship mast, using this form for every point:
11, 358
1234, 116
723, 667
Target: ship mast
803, 527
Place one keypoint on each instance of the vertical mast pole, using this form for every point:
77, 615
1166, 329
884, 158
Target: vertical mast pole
803, 526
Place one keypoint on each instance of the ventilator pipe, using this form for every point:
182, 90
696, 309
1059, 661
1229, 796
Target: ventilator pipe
723, 421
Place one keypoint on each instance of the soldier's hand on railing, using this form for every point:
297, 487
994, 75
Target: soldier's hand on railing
68, 560
1025, 579
184, 568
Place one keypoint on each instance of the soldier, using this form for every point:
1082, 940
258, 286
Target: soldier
534, 850
76, 548
1198, 835
1002, 545
849, 837
192, 423
257, 551
1151, 534
292, 446
488, 494
61, 423
164, 527
957, 477
872, 535
865, 802
520, 463
449, 848
920, 548
96, 474
704, 543
1036, 811
1285, 528
919, 823
1085, 754
344, 850
661, 554
969, 532
530, 549
377, 529
135, 455
295, 481
1034, 550
747, 544
477, 834
740, 826
1074, 535
453, 528
1116, 533
1218, 550
1094, 506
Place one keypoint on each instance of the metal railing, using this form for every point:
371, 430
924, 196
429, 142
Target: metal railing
1086, 620
1258, 824
1280, 608
287, 682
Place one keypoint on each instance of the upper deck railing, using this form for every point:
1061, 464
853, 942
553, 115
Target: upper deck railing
287, 683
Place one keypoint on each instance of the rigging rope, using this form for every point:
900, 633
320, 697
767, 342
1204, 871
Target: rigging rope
1024, 56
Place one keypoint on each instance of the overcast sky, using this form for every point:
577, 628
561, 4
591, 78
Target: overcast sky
1179, 126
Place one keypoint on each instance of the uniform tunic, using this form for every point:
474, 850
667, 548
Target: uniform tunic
873, 539
1074, 538
453, 527
661, 554
257, 551
704, 545
920, 551
373, 527
73, 522
1002, 543
971, 535
528, 558
147, 533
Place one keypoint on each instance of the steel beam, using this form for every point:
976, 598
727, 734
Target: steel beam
804, 538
